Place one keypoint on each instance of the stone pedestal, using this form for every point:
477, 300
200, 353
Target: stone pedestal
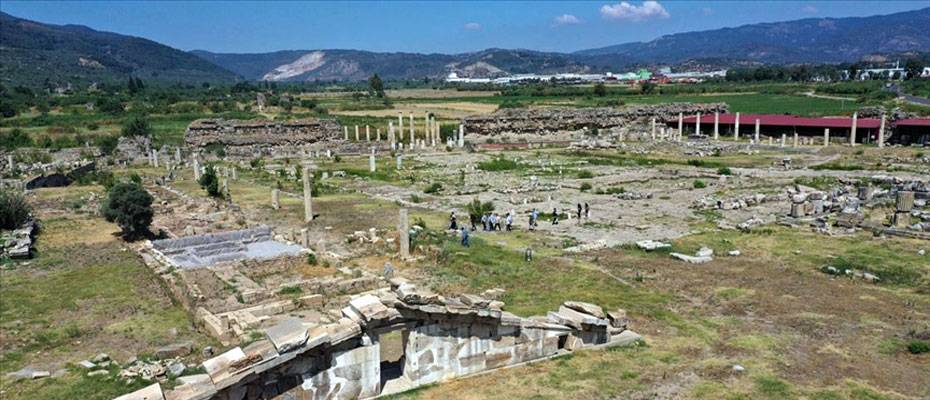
275, 199
904, 201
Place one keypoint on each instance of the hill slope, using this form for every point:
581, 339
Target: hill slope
31, 52
812, 40
310, 65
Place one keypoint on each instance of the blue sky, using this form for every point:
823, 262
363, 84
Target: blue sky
439, 26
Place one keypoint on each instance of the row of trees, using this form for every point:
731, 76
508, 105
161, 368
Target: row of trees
830, 73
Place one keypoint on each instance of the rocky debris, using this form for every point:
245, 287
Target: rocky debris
152, 369
853, 273
547, 121
734, 253
586, 308
703, 255
247, 137
86, 364
633, 196
175, 350
28, 373
750, 223
19, 243
650, 245
734, 203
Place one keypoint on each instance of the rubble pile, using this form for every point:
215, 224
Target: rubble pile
19, 243
444, 338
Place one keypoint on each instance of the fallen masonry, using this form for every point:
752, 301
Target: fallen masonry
442, 338
203, 250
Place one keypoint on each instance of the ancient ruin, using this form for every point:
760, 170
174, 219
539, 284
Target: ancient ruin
247, 137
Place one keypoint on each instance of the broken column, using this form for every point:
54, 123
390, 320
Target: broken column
275, 198
826, 137
400, 161
308, 194
391, 135
736, 128
653, 134
881, 133
904, 203
852, 131
404, 232
716, 125
9, 162
177, 155
305, 238
154, 158
756, 141
196, 169
461, 135
681, 125
697, 125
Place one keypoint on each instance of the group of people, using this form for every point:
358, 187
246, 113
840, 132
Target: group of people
491, 221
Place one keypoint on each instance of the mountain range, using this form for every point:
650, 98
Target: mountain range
33, 52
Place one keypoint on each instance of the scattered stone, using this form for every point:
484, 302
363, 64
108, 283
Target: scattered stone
87, 364
734, 253
650, 245
99, 372
99, 358
738, 368
705, 252
176, 368
174, 350
691, 259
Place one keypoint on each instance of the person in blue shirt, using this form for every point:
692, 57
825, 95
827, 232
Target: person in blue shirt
465, 237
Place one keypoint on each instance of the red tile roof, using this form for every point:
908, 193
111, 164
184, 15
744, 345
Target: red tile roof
907, 122
787, 120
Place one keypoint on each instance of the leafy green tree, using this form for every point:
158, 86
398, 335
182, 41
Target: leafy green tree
137, 126
600, 89
107, 144
14, 211
376, 86
14, 139
913, 67
129, 205
209, 182
7, 110
648, 88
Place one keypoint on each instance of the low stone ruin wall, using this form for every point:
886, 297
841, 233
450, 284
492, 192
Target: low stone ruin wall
552, 121
245, 137
442, 338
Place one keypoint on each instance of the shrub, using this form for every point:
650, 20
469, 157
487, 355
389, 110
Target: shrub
724, 171
14, 211
209, 182
435, 187
918, 346
498, 164
585, 187
137, 126
311, 259
585, 175
14, 139
107, 144
129, 205
699, 184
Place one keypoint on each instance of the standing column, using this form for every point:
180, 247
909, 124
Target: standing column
681, 125
852, 131
356, 133
757, 132
716, 125
461, 135
736, 128
404, 232
275, 198
196, 169
795, 139
177, 155
308, 194
412, 134
783, 140
367, 133
371, 161
346, 130
9, 162
826, 137
881, 132
378, 133
653, 135
391, 134
697, 125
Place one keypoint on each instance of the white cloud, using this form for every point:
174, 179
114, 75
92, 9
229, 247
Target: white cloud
628, 12
808, 9
565, 19
473, 26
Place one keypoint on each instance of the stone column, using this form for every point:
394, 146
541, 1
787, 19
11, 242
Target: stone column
795, 139
275, 198
391, 134
356, 133
681, 125
826, 137
235, 174
367, 133
783, 140
196, 169
852, 131
371, 161
881, 132
305, 238
653, 134
308, 194
757, 132
413, 136
154, 158
400, 123
378, 134
177, 155
404, 232
9, 162
346, 130
400, 161
736, 128
716, 125
697, 125
461, 135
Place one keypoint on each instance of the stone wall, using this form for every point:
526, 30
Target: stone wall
239, 136
550, 121
447, 337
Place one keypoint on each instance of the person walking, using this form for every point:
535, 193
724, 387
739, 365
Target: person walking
555, 216
579, 212
465, 237
509, 222
484, 222
587, 211
534, 218
453, 225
